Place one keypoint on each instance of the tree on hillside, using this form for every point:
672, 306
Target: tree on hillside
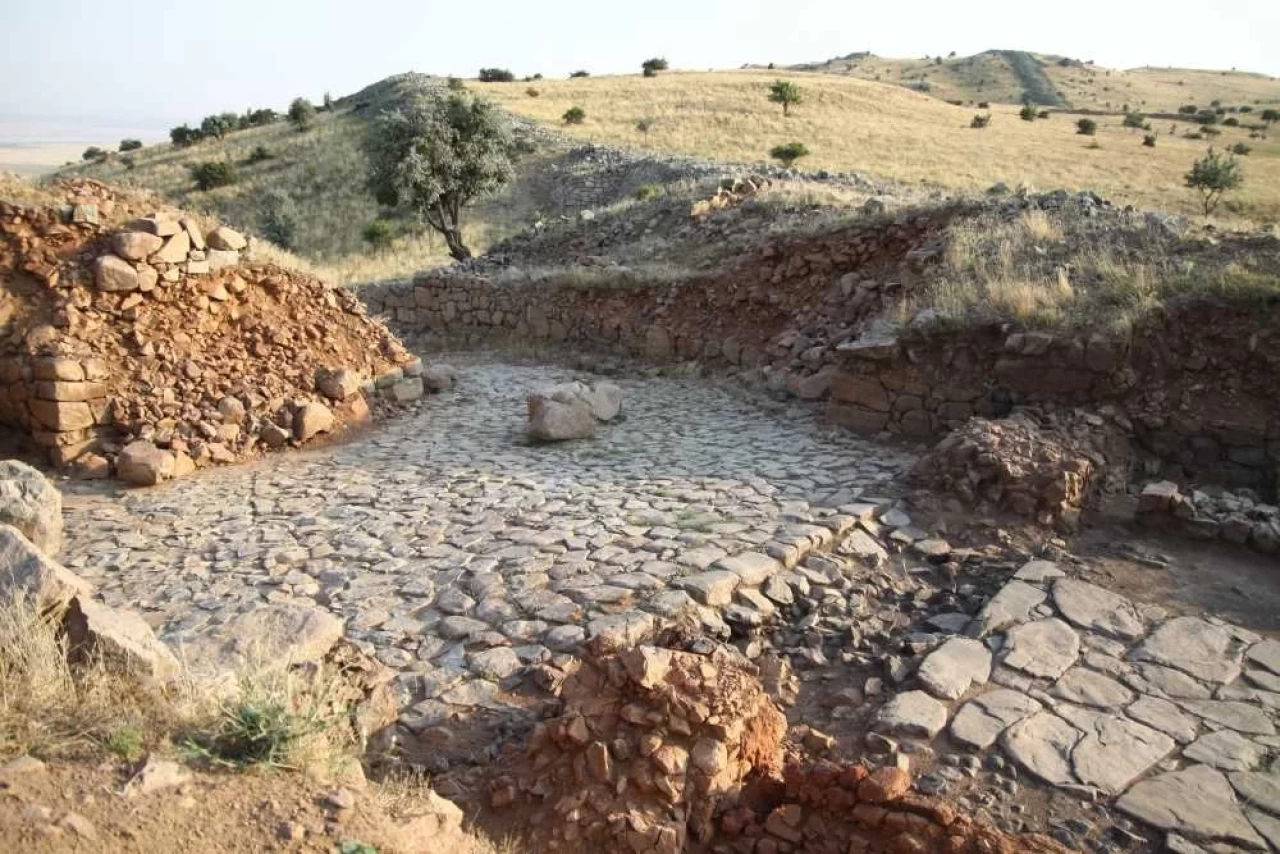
1135, 120
496, 75
183, 136
651, 67
302, 114
785, 93
93, 153
219, 125
1270, 116
574, 116
130, 144
789, 153
433, 156
1212, 176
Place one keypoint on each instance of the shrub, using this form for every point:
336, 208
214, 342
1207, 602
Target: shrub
1212, 176
785, 93
651, 67
1188, 109
1149, 140
496, 75
1210, 130
1270, 116
433, 156
278, 218
456, 84
984, 105
183, 136
1087, 127
129, 162
1245, 108
532, 92
259, 154
1207, 117
379, 233
1231, 122
1028, 113
649, 191
93, 153
213, 173
260, 118
981, 120
130, 144
788, 153
219, 125
646, 124
1241, 149
1134, 120
302, 114
574, 116
578, 74
1044, 114
1191, 134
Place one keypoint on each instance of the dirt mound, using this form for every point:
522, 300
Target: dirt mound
125, 323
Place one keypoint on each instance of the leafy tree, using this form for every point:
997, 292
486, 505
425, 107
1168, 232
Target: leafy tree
1028, 113
260, 118
130, 144
1135, 120
183, 136
574, 116
651, 67
1087, 127
496, 75
786, 93
213, 173
1212, 176
93, 153
302, 114
789, 153
1207, 117
434, 156
219, 125
1245, 108
579, 74
278, 218
1270, 116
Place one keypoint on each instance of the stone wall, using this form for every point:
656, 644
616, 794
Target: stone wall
61, 403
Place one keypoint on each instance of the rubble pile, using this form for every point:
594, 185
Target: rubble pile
1015, 464
1211, 514
137, 338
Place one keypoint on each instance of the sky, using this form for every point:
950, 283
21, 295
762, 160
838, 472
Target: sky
163, 62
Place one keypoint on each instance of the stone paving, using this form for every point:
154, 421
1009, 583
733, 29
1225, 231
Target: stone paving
457, 553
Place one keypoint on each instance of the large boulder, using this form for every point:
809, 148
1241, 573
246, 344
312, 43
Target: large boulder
225, 239
312, 419
440, 377
269, 636
136, 245
557, 421
141, 463
113, 273
27, 573
30, 503
120, 636
606, 400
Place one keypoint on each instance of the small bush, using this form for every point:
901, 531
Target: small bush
1231, 122
984, 105
1135, 120
1087, 127
1212, 176
788, 153
981, 120
649, 191
1207, 117
130, 144
258, 155
574, 116
302, 114
532, 92
651, 67
1028, 113
129, 162
576, 75
496, 75
1240, 149
1044, 114
93, 153
1188, 109
1270, 116
1149, 140
213, 173
1191, 134
645, 125
379, 233
456, 84
278, 219
1210, 130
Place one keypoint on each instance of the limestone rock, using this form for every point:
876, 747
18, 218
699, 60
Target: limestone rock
981, 721
1115, 751
1090, 688
1241, 717
407, 390
754, 568
175, 249
311, 419
26, 571
119, 635
1194, 646
1012, 604
555, 421
440, 377
1165, 716
912, 713
30, 503
338, 385
143, 464
606, 400
1259, 789
1043, 744
956, 666
1225, 750
1266, 654
225, 239
713, 588
267, 637
1044, 648
1091, 607
114, 274
135, 245
1196, 802
158, 774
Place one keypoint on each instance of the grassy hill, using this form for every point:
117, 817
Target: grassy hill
994, 76
892, 132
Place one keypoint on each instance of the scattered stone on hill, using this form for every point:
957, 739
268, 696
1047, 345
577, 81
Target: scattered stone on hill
131, 336
32, 504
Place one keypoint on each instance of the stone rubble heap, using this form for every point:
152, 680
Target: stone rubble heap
157, 347
1237, 517
571, 410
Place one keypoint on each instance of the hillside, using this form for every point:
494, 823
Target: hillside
892, 133
1000, 76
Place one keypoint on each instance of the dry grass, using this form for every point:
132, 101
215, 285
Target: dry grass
890, 132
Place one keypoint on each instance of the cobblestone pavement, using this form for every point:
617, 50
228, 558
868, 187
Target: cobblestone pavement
458, 553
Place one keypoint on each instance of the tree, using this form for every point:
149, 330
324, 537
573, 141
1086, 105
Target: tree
574, 116
789, 153
645, 124
220, 125
1270, 116
93, 153
434, 156
786, 93
579, 74
183, 136
1135, 120
278, 218
651, 67
213, 173
130, 144
496, 75
1087, 127
302, 114
1212, 176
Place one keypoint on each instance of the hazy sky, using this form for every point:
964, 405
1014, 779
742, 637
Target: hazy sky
162, 62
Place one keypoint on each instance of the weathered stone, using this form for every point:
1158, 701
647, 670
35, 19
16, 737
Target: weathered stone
605, 399
1225, 750
440, 377
157, 775
956, 666
981, 721
554, 421
114, 274
714, 588
28, 572
408, 390
1194, 646
620, 631
30, 503
119, 635
1044, 648
1115, 751
1266, 654
1258, 788
884, 785
1196, 802
135, 245
338, 385
1091, 607
143, 464
1241, 717
1153, 678
175, 249
226, 239
1164, 716
1038, 571
753, 568
1042, 743
864, 547
1012, 604
912, 713
311, 419
1089, 688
